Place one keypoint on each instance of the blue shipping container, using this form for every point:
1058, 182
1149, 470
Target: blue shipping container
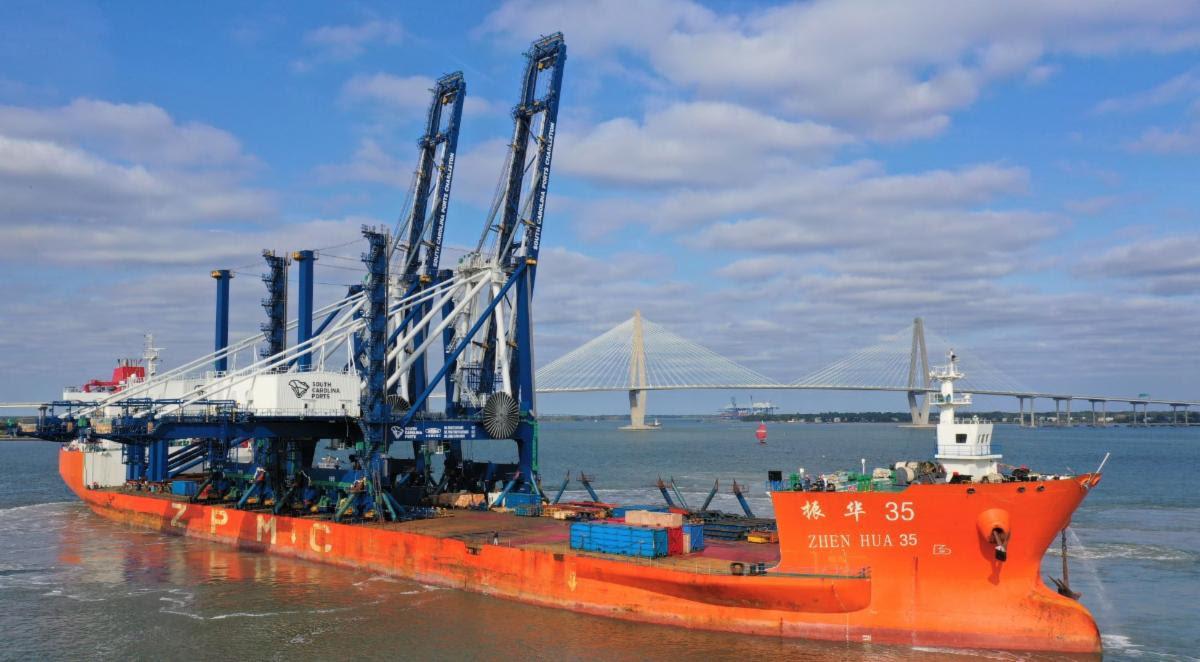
619, 539
696, 536
513, 499
184, 487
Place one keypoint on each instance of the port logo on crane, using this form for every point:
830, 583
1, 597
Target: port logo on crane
298, 387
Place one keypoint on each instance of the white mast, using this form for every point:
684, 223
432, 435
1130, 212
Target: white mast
150, 354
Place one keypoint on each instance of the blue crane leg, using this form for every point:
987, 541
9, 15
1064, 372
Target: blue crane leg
221, 336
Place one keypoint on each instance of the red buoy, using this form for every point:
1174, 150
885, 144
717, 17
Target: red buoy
761, 433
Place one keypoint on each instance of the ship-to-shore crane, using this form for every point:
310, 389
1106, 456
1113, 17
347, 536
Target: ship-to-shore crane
478, 315
488, 377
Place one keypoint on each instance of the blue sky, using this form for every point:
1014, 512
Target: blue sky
783, 182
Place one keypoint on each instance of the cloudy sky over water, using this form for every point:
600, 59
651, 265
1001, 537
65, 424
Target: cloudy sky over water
784, 183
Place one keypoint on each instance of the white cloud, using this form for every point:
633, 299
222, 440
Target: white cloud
477, 171
858, 193
370, 163
786, 316
132, 132
918, 233
596, 28
125, 184
834, 253
131, 245
1089, 171
694, 143
615, 285
405, 93
1094, 205
46, 182
843, 253
1156, 140
886, 70
107, 165
1183, 86
1041, 74
1163, 265
793, 255
346, 42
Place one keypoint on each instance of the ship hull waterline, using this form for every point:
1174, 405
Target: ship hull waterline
877, 607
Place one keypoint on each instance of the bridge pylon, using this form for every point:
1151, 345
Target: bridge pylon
638, 356
918, 358
637, 377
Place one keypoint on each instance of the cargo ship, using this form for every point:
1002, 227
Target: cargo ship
941, 552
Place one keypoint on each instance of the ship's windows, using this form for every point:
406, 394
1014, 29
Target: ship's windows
960, 438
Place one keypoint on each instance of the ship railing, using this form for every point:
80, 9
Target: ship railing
874, 485
265, 412
945, 372
226, 409
692, 563
971, 450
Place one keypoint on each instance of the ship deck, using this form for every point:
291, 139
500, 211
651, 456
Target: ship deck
476, 527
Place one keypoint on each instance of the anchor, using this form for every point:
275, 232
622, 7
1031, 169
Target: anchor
1064, 584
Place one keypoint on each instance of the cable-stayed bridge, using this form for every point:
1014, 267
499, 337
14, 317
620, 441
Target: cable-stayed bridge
640, 356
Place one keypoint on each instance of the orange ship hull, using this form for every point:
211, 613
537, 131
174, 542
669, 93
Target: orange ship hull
937, 589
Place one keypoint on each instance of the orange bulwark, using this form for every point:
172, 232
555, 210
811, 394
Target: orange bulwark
911, 567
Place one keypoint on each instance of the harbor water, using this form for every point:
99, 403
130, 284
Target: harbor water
74, 585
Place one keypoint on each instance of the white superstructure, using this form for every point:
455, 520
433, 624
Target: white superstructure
963, 448
315, 393
308, 393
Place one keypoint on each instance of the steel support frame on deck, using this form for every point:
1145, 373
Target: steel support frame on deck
221, 332
304, 307
275, 304
375, 412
